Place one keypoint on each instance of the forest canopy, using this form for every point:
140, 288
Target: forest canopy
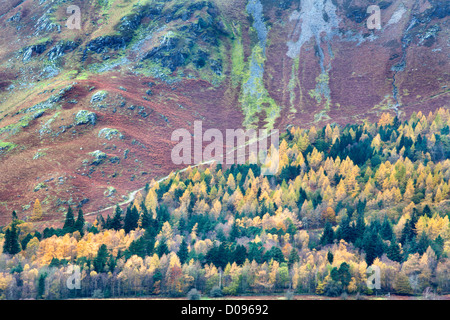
344, 199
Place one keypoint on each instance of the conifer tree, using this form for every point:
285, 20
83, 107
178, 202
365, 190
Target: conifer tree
328, 234
131, 219
393, 251
69, 223
11, 243
116, 221
101, 259
183, 252
79, 224
37, 211
162, 248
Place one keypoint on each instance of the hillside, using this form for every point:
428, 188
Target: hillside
346, 203
86, 115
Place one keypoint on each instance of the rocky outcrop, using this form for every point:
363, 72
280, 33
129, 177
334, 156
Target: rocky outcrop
61, 48
85, 117
33, 50
105, 43
109, 134
99, 157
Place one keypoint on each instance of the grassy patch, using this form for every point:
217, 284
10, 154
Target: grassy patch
237, 57
6, 146
255, 97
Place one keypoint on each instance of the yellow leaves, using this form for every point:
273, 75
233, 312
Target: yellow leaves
174, 261
5, 280
231, 183
341, 191
409, 192
151, 201
342, 255
68, 247
385, 119
37, 211
329, 215
315, 158
434, 227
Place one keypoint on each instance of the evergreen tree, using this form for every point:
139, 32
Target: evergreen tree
255, 252
386, 231
41, 286
14, 216
143, 246
146, 218
69, 223
131, 219
345, 231
101, 259
79, 224
7, 241
372, 245
116, 221
360, 227
438, 246
239, 254
274, 253
293, 257
328, 235
11, 243
234, 233
423, 243
427, 211
393, 251
330, 257
183, 252
162, 248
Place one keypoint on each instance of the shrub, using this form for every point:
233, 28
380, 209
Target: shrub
194, 294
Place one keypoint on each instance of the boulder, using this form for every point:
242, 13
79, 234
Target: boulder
85, 117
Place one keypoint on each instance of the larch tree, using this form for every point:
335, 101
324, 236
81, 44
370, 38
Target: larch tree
37, 211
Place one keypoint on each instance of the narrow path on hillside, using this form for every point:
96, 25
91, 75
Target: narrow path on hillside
132, 195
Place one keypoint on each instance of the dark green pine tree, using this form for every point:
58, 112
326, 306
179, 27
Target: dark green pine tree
239, 254
256, 252
69, 223
427, 211
116, 221
328, 234
101, 259
183, 252
423, 243
234, 232
162, 248
438, 246
386, 231
146, 219
293, 257
79, 224
41, 286
12, 242
330, 257
393, 251
372, 245
131, 219
345, 231
7, 241
14, 216
143, 246
360, 227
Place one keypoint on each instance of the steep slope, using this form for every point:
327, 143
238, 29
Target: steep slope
86, 115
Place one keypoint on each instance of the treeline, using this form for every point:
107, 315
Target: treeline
344, 199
